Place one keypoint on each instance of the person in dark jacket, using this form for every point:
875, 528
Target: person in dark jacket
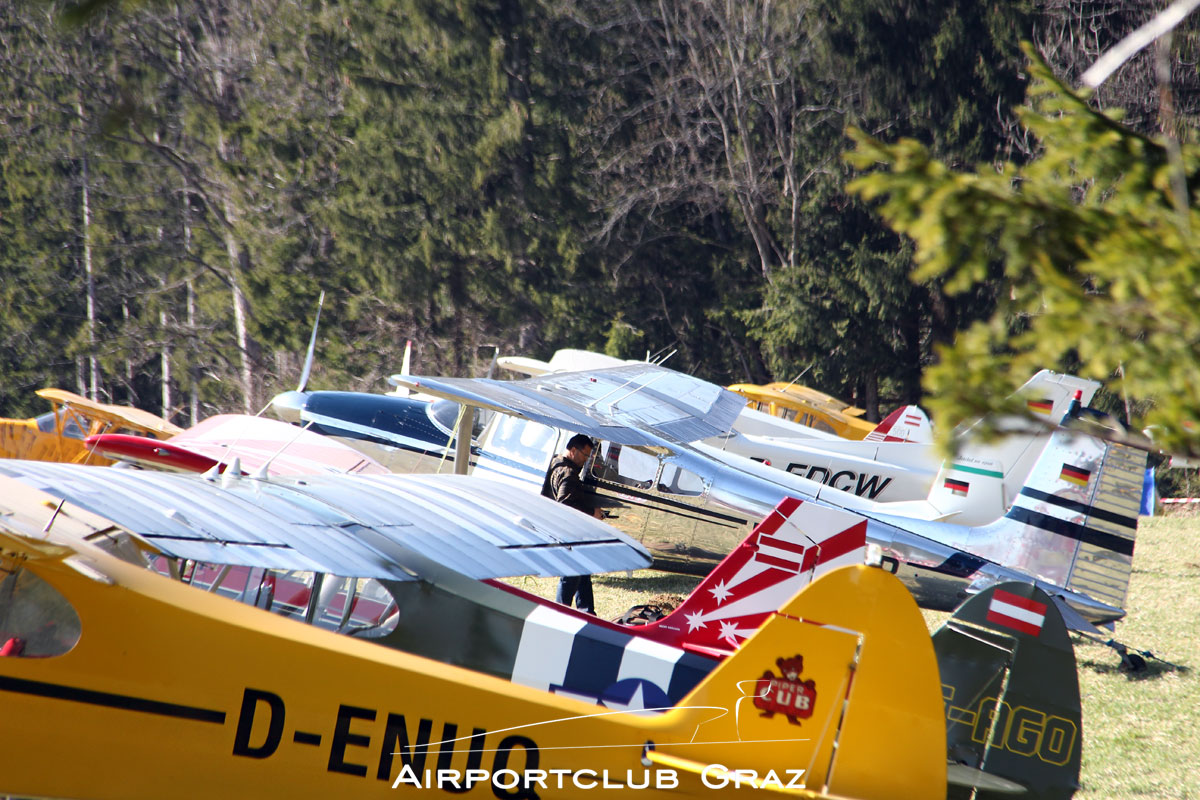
563, 484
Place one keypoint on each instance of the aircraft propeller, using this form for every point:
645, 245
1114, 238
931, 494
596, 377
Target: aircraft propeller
288, 405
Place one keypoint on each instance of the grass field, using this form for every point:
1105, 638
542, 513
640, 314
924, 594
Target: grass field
1141, 733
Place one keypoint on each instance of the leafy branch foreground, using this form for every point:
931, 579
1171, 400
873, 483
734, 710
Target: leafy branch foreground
1101, 261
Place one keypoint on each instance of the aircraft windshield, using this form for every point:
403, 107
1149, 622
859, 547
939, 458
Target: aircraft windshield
71, 429
444, 414
35, 620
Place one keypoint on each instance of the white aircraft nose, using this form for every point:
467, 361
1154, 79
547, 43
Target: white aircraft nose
288, 405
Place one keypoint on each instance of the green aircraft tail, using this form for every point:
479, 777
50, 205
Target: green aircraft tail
1011, 690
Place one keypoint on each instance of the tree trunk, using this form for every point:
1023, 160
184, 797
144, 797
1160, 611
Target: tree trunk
93, 380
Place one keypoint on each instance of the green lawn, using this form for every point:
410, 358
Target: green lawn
1141, 732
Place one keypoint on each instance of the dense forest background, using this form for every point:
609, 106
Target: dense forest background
180, 180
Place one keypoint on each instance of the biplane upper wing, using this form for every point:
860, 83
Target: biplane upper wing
619, 404
120, 416
376, 526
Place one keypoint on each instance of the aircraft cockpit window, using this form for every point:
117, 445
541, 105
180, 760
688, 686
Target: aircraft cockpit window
680, 481
624, 465
444, 414
348, 605
35, 620
47, 424
343, 605
482, 417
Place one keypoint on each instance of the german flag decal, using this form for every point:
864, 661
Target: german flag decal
957, 487
1041, 406
1076, 475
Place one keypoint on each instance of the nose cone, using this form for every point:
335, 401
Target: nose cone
288, 405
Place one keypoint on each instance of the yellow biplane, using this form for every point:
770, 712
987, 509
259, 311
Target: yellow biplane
806, 406
58, 435
140, 686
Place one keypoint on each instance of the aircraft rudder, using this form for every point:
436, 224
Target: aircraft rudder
906, 424
1011, 693
793, 543
1075, 519
845, 673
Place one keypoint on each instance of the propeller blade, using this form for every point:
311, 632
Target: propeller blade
312, 345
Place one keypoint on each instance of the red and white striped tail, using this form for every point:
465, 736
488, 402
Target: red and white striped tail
905, 424
795, 543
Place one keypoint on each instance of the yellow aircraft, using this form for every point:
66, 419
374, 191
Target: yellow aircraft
141, 686
806, 406
58, 434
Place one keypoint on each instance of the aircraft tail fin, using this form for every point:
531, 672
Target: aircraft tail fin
1075, 519
405, 369
1011, 691
841, 684
988, 473
795, 543
905, 424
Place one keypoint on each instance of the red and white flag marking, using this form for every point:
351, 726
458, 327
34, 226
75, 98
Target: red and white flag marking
1016, 612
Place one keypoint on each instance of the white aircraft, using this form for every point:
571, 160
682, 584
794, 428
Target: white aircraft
975, 488
1070, 527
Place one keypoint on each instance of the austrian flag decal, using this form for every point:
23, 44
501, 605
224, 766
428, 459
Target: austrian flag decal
1016, 612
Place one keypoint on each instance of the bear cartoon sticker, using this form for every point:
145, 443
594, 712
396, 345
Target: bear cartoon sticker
786, 694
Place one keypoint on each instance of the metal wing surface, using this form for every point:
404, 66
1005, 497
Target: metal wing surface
633, 404
370, 526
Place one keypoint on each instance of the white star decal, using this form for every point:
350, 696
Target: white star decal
635, 703
721, 592
695, 621
729, 630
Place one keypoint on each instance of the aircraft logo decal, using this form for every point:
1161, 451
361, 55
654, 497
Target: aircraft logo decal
1016, 612
786, 694
957, 487
1076, 475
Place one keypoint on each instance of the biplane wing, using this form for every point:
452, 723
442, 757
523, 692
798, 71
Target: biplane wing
115, 416
379, 526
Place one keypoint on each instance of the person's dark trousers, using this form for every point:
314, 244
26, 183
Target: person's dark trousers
576, 590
